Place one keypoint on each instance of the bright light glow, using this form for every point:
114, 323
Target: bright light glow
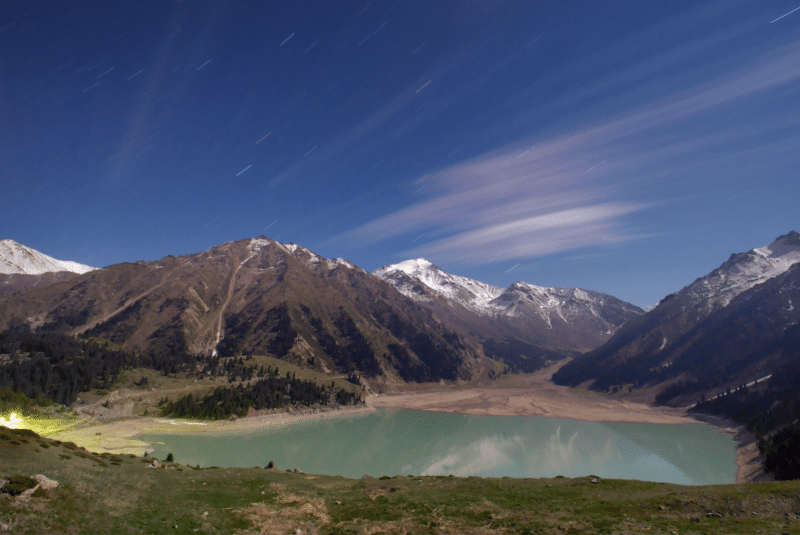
13, 422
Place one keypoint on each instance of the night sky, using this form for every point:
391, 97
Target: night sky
620, 146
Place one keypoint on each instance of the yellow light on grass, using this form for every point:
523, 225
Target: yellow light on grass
13, 422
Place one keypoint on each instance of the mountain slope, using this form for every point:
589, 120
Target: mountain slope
523, 319
256, 296
22, 267
728, 327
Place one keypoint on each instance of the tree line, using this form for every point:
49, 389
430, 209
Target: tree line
57, 367
273, 391
54, 367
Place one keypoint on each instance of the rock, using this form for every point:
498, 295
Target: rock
28, 492
660, 507
298, 471
205, 514
270, 466
695, 519
366, 476
155, 464
595, 480
45, 482
713, 514
4, 526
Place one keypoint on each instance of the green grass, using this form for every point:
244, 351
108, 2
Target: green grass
120, 494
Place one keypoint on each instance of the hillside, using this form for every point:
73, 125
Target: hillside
120, 494
256, 296
733, 326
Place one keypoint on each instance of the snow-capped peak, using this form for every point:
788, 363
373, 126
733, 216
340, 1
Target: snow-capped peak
743, 271
469, 293
16, 258
420, 280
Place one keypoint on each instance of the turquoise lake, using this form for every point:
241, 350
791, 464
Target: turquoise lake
399, 441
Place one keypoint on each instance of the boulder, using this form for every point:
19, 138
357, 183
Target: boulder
45, 482
270, 466
298, 471
26, 493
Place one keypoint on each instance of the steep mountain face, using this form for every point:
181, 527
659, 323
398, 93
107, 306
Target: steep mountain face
523, 319
256, 296
19, 282
729, 327
18, 259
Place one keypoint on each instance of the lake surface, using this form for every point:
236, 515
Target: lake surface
399, 441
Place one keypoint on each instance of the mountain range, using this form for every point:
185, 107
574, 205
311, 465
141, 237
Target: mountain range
412, 321
263, 296
522, 325
731, 327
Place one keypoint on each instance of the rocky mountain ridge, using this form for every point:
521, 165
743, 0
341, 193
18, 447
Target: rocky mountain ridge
732, 326
558, 318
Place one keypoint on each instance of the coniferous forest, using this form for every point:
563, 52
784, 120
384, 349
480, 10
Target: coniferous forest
51, 367
771, 411
273, 391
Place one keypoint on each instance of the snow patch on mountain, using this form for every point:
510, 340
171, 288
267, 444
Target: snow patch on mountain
743, 271
422, 281
19, 259
471, 294
313, 259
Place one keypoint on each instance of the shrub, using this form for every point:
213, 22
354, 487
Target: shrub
17, 484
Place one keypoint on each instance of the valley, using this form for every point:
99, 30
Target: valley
200, 337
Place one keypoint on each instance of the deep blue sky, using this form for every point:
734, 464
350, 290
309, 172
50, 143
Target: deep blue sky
621, 146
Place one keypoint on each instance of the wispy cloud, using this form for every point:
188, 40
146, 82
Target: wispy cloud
525, 202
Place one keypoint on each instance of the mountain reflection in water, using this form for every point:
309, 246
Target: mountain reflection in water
399, 441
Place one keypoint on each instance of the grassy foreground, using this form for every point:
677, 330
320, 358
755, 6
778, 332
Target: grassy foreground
119, 494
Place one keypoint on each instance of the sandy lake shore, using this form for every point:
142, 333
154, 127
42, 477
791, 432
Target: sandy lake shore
119, 435
530, 395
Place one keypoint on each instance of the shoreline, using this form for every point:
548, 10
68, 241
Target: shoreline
532, 395
118, 436
536, 395
748, 458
